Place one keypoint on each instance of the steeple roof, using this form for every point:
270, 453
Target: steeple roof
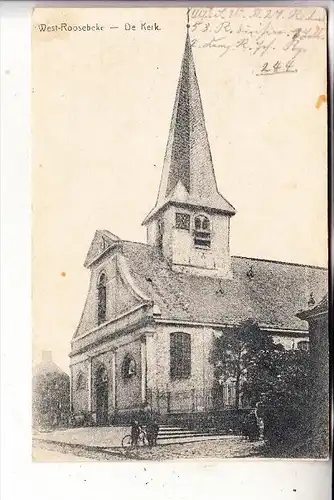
188, 176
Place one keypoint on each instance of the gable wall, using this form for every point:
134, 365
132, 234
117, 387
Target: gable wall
119, 295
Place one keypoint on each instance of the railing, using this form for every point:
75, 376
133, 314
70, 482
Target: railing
190, 401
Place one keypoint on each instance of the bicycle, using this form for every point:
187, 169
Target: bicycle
142, 439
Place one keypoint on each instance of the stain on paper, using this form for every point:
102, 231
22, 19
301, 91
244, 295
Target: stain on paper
321, 99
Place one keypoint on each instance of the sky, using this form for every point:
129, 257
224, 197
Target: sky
101, 108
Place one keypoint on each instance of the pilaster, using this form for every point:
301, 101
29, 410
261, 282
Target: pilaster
89, 384
143, 369
114, 379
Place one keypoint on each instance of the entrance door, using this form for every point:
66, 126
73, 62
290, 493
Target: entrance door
101, 396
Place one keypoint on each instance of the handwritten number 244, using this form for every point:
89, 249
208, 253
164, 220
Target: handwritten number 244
278, 67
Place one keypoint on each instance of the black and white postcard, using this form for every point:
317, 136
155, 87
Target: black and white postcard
180, 275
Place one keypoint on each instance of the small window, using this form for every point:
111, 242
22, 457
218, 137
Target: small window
103, 245
180, 355
202, 233
303, 345
101, 299
182, 221
129, 367
161, 226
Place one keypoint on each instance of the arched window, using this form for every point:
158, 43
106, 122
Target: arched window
101, 299
103, 244
129, 367
180, 355
81, 382
202, 232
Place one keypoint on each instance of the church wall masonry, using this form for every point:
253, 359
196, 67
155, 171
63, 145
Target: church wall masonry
150, 351
207, 261
128, 393
124, 393
201, 371
178, 247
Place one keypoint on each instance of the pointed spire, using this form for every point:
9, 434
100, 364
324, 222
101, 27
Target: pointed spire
188, 176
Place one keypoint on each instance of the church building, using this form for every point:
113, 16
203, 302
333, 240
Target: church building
153, 310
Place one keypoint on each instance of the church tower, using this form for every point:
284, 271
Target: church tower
190, 223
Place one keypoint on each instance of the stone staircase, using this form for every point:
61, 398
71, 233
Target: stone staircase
172, 435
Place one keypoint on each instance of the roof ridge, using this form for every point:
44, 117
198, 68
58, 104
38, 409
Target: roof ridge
136, 242
278, 262
260, 259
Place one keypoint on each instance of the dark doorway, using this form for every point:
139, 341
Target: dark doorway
101, 386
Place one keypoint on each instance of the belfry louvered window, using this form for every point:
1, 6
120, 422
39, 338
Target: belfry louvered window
180, 355
101, 299
202, 232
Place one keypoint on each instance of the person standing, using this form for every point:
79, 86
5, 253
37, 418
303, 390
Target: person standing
250, 427
135, 431
150, 433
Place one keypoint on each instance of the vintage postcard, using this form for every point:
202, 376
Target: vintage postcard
179, 233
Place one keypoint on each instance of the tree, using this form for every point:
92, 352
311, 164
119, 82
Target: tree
287, 415
279, 379
249, 356
50, 398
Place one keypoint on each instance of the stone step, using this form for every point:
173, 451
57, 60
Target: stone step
178, 431
175, 431
173, 434
193, 439
190, 431
171, 428
170, 431
167, 437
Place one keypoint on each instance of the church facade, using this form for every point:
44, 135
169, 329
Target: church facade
153, 310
